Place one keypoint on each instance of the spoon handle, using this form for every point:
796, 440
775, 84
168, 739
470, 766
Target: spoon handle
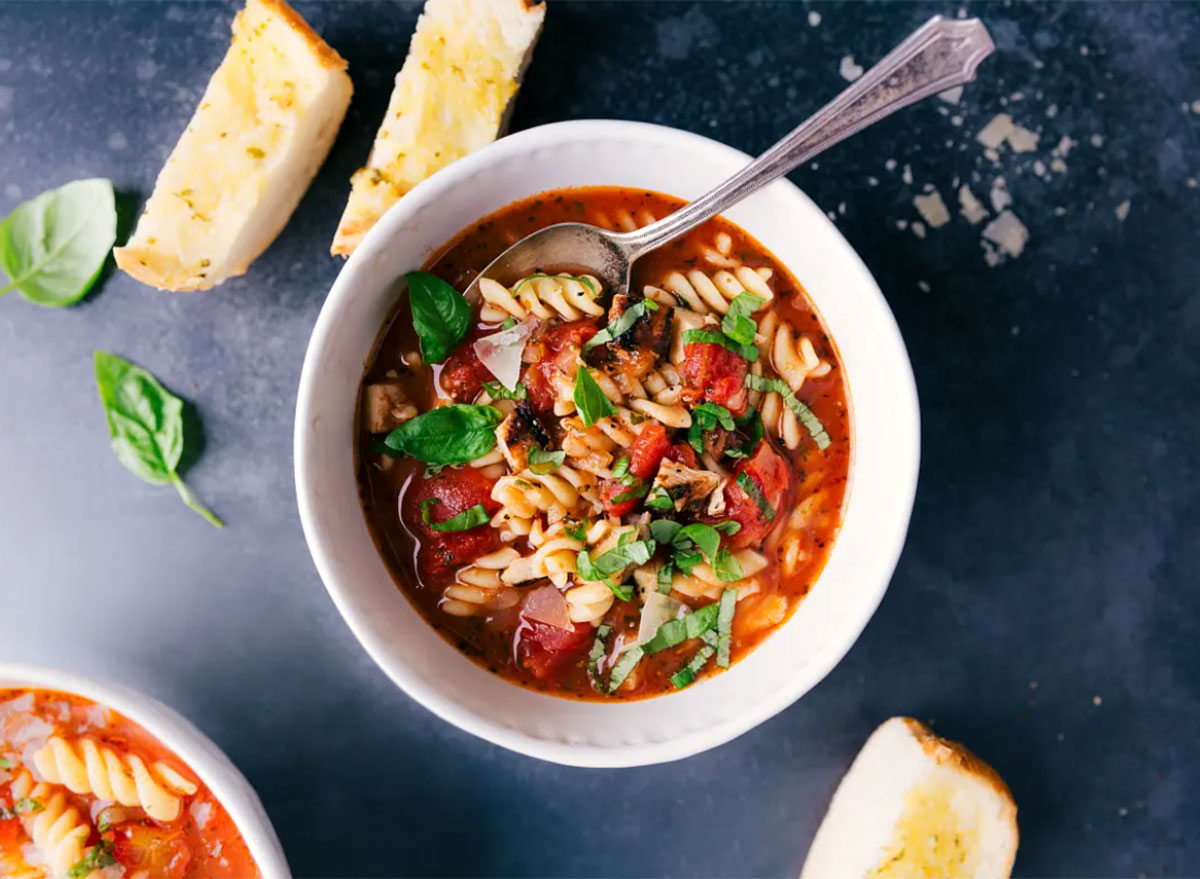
941, 54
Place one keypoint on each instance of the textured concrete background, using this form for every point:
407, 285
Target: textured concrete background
1045, 611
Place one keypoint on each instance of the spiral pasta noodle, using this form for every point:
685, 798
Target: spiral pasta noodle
57, 829
478, 587
708, 294
545, 297
84, 767
796, 361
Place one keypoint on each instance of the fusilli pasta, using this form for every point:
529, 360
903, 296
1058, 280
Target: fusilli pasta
56, 828
706, 294
543, 296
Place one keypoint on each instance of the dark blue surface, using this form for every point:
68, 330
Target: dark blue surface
1045, 610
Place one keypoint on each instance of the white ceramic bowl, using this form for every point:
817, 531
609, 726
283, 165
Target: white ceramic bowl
194, 748
883, 477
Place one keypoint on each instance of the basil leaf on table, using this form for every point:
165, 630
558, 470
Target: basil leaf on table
145, 421
53, 246
589, 399
441, 316
452, 434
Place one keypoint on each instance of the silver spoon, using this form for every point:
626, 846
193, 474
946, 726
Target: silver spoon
941, 54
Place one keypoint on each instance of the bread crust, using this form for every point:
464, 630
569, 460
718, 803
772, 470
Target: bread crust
326, 55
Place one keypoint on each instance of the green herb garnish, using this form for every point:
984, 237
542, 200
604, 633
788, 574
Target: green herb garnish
145, 422
621, 468
5, 763
589, 399
453, 434
748, 485
595, 655
576, 532
28, 806
729, 527
751, 425
441, 316
660, 500
638, 490
686, 675
54, 246
725, 609
712, 337
707, 416
621, 325
665, 577
674, 632
464, 521
586, 569
623, 667
806, 416
705, 537
542, 462
497, 391
737, 323
96, 858
726, 566
509, 323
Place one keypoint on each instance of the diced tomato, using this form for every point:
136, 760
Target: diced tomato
150, 851
610, 490
770, 473
10, 832
544, 649
714, 374
648, 450
463, 374
682, 453
443, 552
555, 354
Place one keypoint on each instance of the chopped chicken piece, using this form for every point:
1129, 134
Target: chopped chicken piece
386, 406
651, 331
518, 433
685, 486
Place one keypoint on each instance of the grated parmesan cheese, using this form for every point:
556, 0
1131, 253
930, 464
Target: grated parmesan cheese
932, 209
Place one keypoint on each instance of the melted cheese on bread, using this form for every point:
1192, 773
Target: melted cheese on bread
915, 806
451, 97
263, 128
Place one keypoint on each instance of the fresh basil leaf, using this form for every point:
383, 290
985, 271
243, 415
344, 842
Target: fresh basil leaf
712, 337
660, 500
729, 527
685, 561
54, 246
464, 521
666, 577
453, 434
636, 552
686, 675
585, 569
748, 485
509, 323
621, 468
621, 325
639, 490
727, 568
674, 632
28, 806
707, 416
5, 763
441, 316
805, 415
704, 536
750, 425
725, 610
623, 667
380, 447
542, 462
664, 530
497, 391
745, 304
737, 323
96, 858
589, 399
576, 532
599, 645
145, 422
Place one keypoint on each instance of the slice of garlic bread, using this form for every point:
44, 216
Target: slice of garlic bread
452, 96
915, 806
263, 128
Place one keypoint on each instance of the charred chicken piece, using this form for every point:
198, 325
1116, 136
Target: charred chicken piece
518, 433
687, 487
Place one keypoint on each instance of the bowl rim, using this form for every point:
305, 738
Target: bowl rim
183, 739
323, 549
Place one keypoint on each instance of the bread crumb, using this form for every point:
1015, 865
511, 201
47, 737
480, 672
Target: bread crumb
952, 96
924, 287
872, 181
956, 121
1191, 183
1096, 700
1022, 140
918, 228
1051, 111
1122, 210
906, 175
902, 224
1039, 168
1196, 106
1008, 233
1065, 145
999, 196
1097, 140
932, 209
996, 131
814, 18
890, 164
849, 70
970, 207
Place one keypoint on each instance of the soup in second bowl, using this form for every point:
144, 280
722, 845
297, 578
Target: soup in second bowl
604, 496
86, 793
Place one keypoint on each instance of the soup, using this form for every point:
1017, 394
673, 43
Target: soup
605, 496
86, 792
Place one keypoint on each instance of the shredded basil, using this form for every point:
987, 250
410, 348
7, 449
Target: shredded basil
666, 577
725, 609
440, 314
509, 323
686, 675
660, 500
806, 416
453, 434
712, 337
5, 763
586, 569
589, 399
97, 857
726, 566
542, 462
674, 632
748, 485
729, 527
595, 655
499, 392
707, 416
621, 325
585, 281
576, 532
28, 806
751, 426
664, 530
705, 537
636, 552
464, 521
621, 468
688, 560
737, 323
623, 667
639, 490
